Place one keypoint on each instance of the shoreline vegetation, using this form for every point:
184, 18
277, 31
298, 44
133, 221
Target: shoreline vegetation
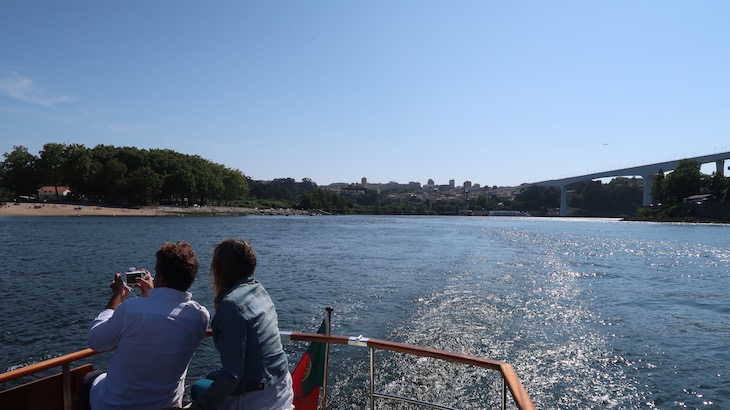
708, 213
31, 209
51, 209
72, 180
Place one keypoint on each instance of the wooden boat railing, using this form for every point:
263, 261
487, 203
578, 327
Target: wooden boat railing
510, 381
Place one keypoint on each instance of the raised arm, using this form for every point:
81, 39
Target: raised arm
106, 329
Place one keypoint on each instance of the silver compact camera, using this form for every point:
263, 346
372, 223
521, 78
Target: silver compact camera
132, 275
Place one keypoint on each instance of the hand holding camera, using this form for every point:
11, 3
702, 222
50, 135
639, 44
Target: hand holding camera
123, 282
120, 290
145, 282
139, 278
132, 276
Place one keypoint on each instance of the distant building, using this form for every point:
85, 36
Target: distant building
467, 184
49, 192
452, 183
430, 182
394, 186
352, 190
364, 181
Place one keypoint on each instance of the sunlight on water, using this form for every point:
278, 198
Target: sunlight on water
590, 313
546, 312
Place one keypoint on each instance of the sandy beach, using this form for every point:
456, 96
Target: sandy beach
39, 209
44, 209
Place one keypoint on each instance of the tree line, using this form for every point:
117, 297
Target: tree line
687, 180
120, 175
126, 175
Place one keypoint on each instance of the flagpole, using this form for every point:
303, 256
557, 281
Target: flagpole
326, 359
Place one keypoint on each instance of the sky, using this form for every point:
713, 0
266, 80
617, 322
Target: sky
493, 92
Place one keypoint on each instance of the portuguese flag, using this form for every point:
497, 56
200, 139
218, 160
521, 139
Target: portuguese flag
308, 376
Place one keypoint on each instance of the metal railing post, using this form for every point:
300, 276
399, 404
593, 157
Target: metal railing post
327, 359
504, 394
372, 380
66, 382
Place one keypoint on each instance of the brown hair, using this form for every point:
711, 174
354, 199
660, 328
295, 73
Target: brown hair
232, 260
178, 265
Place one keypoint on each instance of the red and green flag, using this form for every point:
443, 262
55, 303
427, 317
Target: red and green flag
308, 376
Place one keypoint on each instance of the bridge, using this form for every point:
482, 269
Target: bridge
647, 172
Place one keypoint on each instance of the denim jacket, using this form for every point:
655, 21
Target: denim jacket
246, 334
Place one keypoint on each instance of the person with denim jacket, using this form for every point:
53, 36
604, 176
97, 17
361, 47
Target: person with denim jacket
254, 369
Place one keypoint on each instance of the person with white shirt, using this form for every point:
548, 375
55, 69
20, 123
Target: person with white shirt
155, 337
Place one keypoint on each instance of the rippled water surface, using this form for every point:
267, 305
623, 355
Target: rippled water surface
590, 313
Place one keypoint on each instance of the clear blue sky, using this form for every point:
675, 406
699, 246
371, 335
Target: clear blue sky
498, 93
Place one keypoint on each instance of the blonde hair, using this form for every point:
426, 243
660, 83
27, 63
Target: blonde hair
232, 260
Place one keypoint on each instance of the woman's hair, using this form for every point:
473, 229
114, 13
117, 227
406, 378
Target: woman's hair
178, 265
232, 260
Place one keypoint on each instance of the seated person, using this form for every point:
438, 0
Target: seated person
254, 369
155, 335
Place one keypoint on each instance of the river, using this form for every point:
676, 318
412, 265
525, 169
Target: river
591, 313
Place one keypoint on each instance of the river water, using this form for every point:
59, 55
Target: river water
591, 313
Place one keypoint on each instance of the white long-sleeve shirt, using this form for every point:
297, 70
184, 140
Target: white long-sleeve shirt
155, 338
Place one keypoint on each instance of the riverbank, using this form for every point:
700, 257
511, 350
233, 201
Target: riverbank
44, 209
712, 212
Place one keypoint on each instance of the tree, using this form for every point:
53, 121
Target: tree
104, 153
718, 187
111, 180
18, 170
180, 184
620, 197
235, 186
307, 184
684, 181
445, 207
286, 189
133, 158
536, 198
209, 180
369, 198
144, 185
320, 199
78, 169
50, 165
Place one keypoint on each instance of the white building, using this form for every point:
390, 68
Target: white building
49, 192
